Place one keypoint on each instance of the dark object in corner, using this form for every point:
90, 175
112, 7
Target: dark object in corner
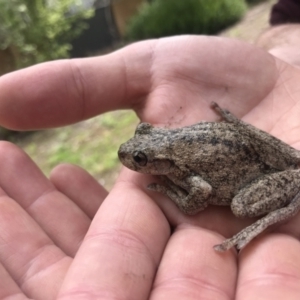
285, 11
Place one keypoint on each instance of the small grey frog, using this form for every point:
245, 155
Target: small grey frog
220, 163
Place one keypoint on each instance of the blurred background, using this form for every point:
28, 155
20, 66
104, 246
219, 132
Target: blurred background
34, 31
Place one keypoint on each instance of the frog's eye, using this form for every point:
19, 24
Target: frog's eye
140, 158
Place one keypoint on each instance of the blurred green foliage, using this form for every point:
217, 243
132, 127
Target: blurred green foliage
170, 17
254, 2
40, 30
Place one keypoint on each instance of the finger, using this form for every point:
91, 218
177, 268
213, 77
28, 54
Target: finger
79, 186
35, 264
8, 287
191, 269
120, 254
270, 269
54, 212
66, 91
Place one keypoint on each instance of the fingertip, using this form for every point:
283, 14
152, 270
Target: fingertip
38, 96
12, 158
191, 267
269, 268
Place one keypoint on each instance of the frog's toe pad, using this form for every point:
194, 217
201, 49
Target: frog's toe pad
229, 243
220, 248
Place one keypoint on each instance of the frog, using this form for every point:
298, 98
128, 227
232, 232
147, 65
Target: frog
227, 163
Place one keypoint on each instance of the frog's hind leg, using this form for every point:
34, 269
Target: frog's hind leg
241, 239
168, 188
276, 195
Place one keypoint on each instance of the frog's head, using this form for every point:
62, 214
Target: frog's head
145, 153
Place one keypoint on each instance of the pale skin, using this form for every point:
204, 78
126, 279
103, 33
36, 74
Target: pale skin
282, 41
128, 251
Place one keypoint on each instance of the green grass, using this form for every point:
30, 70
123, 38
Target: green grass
92, 144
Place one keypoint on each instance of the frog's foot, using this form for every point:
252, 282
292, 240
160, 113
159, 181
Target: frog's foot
179, 196
225, 114
155, 187
241, 239
175, 194
168, 188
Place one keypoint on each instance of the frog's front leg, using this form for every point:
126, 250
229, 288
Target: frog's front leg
191, 194
277, 195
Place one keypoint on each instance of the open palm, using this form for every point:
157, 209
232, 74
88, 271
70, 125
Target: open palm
60, 240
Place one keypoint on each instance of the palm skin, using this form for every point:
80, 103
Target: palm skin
65, 238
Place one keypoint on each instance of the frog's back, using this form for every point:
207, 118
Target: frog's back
220, 155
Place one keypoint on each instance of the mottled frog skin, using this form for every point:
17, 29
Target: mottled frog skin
220, 163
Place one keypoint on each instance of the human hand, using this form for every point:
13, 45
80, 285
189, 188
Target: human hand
128, 251
282, 41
